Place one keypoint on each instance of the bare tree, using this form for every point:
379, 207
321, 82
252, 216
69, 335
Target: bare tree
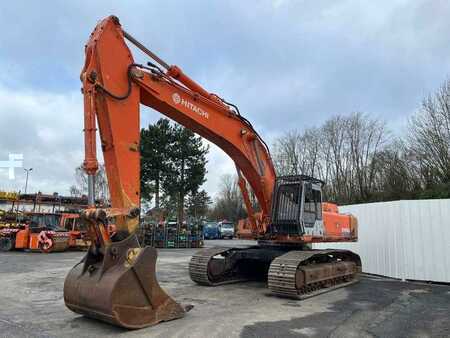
395, 175
340, 152
366, 137
334, 133
429, 137
101, 184
287, 153
229, 203
298, 152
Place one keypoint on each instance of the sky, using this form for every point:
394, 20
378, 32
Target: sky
287, 65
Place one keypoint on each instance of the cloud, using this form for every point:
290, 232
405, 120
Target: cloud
219, 164
286, 64
47, 129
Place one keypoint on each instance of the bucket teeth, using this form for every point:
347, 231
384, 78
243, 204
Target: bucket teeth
120, 287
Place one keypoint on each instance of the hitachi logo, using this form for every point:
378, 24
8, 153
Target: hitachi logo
178, 100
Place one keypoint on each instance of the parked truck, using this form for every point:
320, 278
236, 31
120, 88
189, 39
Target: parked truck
226, 229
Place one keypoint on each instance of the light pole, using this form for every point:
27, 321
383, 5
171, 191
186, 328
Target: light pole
26, 180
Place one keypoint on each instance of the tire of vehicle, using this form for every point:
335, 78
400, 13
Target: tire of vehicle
6, 243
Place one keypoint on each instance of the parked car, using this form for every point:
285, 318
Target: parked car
226, 229
211, 230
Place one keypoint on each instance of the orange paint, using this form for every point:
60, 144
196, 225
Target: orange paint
114, 87
22, 238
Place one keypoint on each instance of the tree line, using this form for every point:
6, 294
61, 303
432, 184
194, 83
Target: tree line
356, 154
228, 203
361, 161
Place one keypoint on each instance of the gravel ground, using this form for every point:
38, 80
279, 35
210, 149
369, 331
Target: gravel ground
32, 305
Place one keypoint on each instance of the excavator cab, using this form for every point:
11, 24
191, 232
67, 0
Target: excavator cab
297, 205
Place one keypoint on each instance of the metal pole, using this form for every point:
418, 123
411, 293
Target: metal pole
18, 203
26, 180
91, 190
145, 49
26, 186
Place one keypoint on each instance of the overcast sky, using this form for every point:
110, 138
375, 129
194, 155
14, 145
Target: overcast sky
286, 64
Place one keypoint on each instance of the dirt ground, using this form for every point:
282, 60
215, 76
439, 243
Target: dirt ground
32, 305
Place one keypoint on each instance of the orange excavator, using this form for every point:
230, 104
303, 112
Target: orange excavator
115, 281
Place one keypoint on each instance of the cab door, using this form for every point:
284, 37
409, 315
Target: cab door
312, 204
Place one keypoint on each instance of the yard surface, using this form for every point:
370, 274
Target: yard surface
32, 305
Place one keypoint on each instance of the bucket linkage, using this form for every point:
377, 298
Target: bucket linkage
116, 280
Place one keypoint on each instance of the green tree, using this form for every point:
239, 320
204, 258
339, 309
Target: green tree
197, 204
155, 146
186, 167
169, 204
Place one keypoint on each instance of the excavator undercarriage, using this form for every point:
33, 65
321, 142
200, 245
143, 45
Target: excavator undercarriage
289, 273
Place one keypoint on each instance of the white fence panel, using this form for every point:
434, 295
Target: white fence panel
402, 239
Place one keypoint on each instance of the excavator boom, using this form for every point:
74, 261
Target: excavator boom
114, 87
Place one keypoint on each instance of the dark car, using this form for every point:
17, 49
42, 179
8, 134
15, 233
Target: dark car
211, 230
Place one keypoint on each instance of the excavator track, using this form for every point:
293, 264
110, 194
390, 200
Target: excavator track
210, 267
304, 274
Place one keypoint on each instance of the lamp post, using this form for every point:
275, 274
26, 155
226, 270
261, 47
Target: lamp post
26, 180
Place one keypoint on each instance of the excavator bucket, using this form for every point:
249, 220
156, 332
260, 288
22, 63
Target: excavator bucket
119, 286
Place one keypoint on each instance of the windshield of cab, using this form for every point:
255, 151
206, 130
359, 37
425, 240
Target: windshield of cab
227, 225
42, 220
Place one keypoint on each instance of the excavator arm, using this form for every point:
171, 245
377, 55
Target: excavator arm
114, 87
116, 280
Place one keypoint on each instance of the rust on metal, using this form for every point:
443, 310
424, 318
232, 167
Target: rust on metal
302, 274
120, 287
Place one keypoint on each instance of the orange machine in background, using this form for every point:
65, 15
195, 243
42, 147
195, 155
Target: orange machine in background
45, 232
244, 227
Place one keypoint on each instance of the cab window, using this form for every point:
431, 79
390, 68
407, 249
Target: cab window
318, 203
312, 205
